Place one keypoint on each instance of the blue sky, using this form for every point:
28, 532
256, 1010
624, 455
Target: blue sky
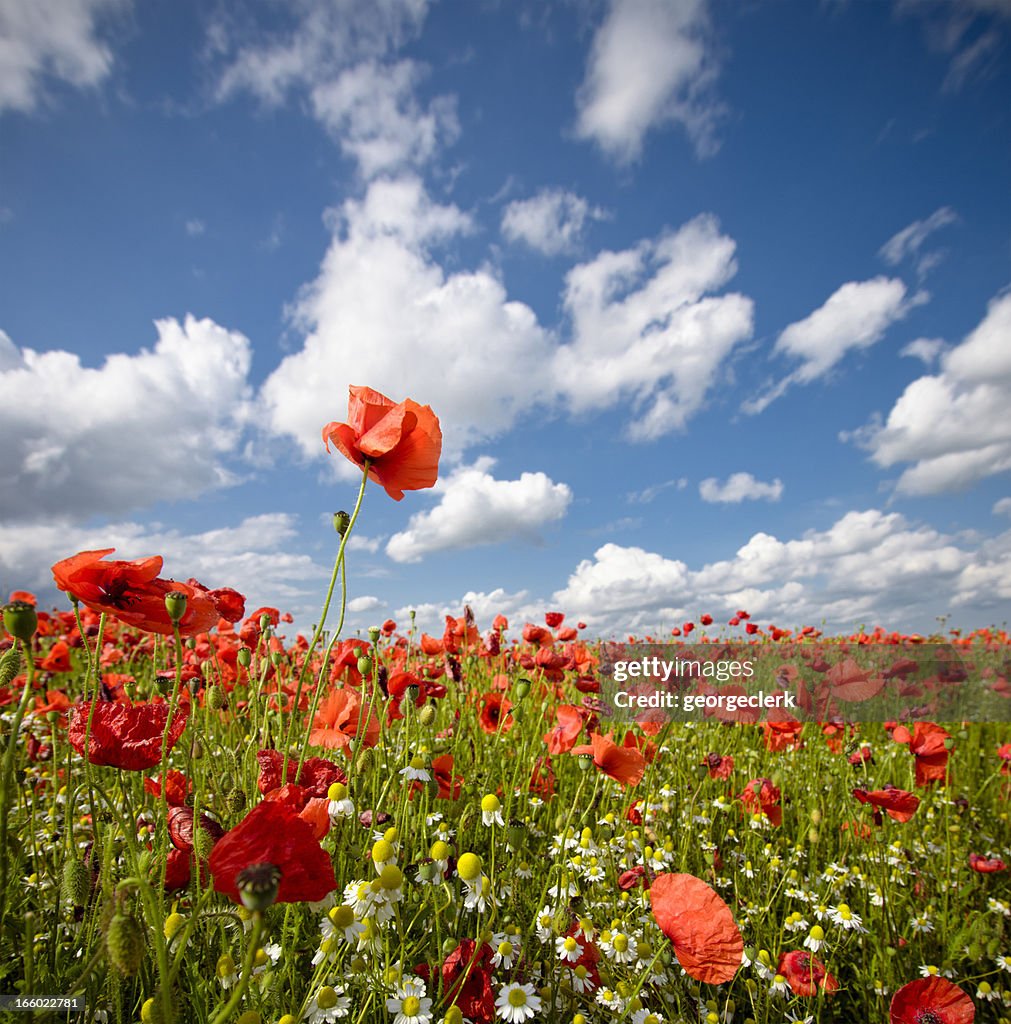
711, 299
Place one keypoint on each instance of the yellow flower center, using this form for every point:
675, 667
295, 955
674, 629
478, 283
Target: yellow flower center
410, 1006
327, 998
517, 997
342, 916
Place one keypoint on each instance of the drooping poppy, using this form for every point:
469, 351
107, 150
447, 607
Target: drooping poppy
986, 865
931, 1001
897, 803
272, 833
626, 765
338, 719
402, 441
569, 724
805, 973
706, 939
133, 592
127, 736
180, 827
930, 745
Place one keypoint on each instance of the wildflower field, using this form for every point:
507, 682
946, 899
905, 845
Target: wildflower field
206, 820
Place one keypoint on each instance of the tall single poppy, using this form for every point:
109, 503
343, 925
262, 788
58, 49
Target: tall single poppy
931, 1001
402, 441
127, 736
273, 833
700, 926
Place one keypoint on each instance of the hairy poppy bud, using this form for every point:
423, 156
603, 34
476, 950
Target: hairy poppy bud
215, 698
427, 715
151, 1012
76, 882
21, 620
235, 801
10, 665
244, 656
258, 885
341, 522
125, 944
365, 759
175, 605
277, 659
264, 622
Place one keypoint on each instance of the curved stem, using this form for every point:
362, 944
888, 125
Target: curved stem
247, 969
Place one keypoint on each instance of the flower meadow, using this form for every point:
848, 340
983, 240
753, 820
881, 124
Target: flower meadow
203, 820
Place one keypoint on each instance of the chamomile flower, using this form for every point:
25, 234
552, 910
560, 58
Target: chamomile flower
986, 991
815, 939
620, 948
410, 1004
506, 953
491, 810
416, 770
568, 949
779, 986
581, 980
226, 970
842, 916
328, 1005
517, 1003
342, 923
340, 806
644, 1016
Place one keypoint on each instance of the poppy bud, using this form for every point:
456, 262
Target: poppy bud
448, 946
516, 832
175, 605
215, 698
264, 622
521, 688
76, 882
374, 632
125, 944
21, 620
341, 522
427, 715
816, 817
258, 885
203, 843
151, 1012
365, 759
244, 656
235, 801
10, 665
365, 665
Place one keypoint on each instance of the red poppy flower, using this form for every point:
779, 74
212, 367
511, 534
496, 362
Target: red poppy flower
272, 833
466, 981
783, 734
135, 594
633, 877
337, 721
929, 743
402, 441
931, 1001
719, 767
495, 715
898, 804
554, 619
986, 865
58, 658
450, 785
562, 738
623, 764
805, 973
127, 736
316, 776
762, 795
180, 827
176, 787
700, 926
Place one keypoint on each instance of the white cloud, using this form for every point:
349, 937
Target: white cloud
337, 53
382, 312
1002, 507
647, 333
359, 542
51, 38
649, 494
141, 428
372, 111
740, 487
855, 316
365, 603
651, 63
925, 349
952, 426
475, 509
908, 243
254, 557
195, 227
551, 221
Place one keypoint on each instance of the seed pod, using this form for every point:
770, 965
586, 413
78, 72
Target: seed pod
76, 883
125, 944
235, 801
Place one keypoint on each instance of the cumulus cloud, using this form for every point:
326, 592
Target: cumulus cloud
551, 221
953, 426
1002, 507
651, 63
383, 311
855, 316
338, 54
365, 603
475, 509
158, 425
253, 556
57, 39
740, 487
647, 332
371, 109
925, 349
